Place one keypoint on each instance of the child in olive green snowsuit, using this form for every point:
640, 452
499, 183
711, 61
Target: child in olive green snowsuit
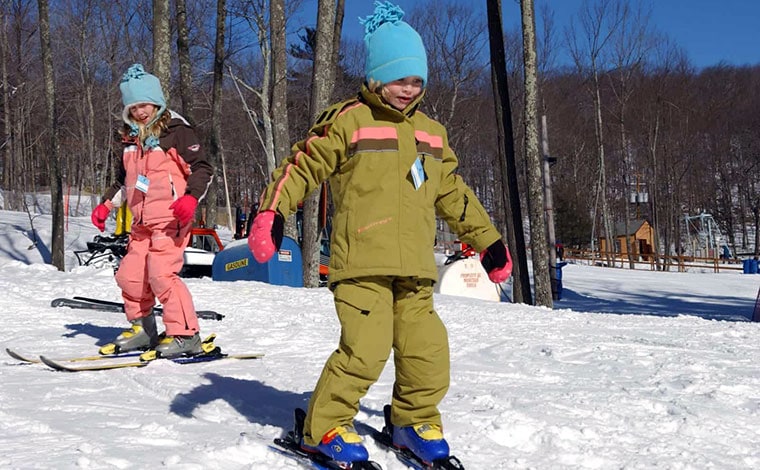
391, 171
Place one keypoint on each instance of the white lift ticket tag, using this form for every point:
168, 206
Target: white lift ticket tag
418, 173
142, 183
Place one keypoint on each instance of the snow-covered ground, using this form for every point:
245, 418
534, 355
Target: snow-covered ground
631, 370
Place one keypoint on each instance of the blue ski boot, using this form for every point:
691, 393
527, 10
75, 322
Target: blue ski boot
423, 440
341, 444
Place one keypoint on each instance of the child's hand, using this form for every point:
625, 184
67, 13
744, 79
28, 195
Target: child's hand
184, 208
100, 214
497, 262
266, 235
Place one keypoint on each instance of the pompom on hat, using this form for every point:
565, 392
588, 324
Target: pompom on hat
137, 87
394, 49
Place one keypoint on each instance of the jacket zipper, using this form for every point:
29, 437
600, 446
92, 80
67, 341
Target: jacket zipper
464, 211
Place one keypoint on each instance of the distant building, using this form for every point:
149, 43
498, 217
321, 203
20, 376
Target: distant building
640, 235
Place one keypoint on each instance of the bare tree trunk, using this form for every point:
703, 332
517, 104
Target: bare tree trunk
655, 191
279, 103
599, 21
83, 166
185, 64
56, 196
7, 153
626, 191
340, 8
521, 292
216, 151
599, 131
538, 243
162, 59
551, 241
323, 82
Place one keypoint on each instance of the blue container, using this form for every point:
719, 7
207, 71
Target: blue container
559, 278
749, 266
236, 263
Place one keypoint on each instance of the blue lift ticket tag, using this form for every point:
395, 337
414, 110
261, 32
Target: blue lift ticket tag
418, 173
142, 183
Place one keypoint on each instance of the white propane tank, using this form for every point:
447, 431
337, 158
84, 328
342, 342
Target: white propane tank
466, 278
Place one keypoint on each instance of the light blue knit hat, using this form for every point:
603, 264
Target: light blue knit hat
138, 86
394, 49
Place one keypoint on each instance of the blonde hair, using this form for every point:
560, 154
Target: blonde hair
377, 87
154, 130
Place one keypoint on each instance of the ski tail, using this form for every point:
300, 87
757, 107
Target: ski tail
81, 304
109, 306
756, 312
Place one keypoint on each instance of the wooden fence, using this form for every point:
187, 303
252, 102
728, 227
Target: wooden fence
652, 262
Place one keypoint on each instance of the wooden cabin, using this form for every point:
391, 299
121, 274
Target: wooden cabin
640, 234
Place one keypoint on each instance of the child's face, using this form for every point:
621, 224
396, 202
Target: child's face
399, 93
142, 113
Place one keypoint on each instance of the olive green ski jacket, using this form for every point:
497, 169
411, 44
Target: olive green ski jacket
390, 174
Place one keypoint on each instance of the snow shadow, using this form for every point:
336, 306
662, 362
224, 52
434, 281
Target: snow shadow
102, 334
256, 401
661, 304
17, 244
44, 251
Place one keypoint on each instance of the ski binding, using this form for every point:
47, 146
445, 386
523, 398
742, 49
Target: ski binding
290, 445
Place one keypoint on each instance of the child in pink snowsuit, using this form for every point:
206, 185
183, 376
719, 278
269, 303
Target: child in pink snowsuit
163, 173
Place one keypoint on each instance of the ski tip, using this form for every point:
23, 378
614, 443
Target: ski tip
51, 363
20, 357
12, 354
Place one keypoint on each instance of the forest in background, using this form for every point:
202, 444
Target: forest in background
631, 115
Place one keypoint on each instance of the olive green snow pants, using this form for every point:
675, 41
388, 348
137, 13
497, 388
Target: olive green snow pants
377, 314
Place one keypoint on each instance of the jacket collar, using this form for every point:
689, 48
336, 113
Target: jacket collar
375, 101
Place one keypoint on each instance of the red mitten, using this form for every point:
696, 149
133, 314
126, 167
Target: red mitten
266, 235
184, 208
100, 214
497, 262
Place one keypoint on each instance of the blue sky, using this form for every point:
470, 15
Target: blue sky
709, 31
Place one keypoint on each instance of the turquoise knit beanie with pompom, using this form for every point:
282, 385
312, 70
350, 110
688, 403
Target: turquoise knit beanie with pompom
137, 87
394, 49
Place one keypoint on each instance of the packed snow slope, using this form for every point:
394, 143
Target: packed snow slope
632, 369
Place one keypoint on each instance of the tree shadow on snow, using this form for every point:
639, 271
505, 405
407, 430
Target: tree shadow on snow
44, 251
661, 304
257, 401
12, 248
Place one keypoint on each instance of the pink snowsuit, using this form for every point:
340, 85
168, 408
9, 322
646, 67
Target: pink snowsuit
154, 178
